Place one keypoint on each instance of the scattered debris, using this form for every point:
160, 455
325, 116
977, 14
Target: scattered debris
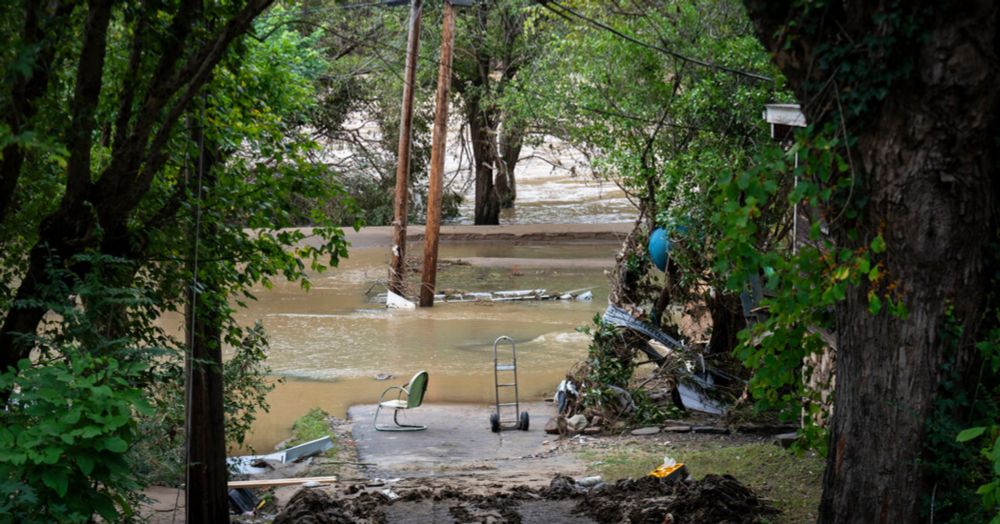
786, 440
242, 501
566, 395
271, 483
589, 482
311, 506
651, 499
670, 469
576, 423
395, 301
257, 464
697, 400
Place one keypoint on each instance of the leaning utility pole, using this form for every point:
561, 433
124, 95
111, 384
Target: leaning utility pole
397, 267
436, 183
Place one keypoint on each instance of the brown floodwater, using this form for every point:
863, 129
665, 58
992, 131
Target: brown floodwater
328, 344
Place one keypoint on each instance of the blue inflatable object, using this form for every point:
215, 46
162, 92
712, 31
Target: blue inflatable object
659, 246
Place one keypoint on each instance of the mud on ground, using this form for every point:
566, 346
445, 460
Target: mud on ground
717, 499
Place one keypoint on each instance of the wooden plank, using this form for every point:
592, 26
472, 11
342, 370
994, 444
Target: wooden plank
273, 483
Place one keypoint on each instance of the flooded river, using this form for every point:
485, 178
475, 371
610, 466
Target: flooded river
329, 343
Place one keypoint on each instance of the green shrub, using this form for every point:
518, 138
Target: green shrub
65, 439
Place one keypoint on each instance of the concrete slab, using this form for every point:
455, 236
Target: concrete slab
458, 442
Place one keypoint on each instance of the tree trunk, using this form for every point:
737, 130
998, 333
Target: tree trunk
926, 168
511, 140
206, 495
487, 210
727, 321
206, 492
931, 161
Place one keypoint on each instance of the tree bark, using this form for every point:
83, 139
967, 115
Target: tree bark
487, 206
511, 140
927, 167
206, 495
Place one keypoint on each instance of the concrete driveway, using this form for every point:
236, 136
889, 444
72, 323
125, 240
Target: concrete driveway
458, 442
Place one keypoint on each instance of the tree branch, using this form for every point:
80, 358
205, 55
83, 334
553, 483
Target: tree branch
90, 73
25, 91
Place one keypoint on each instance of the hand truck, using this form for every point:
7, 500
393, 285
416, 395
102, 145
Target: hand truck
517, 419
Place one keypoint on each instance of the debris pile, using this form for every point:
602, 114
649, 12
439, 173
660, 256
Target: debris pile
716, 499
313, 506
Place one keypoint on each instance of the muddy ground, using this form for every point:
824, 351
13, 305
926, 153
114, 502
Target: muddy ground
458, 471
713, 499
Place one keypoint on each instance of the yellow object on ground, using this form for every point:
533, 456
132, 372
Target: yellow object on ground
666, 471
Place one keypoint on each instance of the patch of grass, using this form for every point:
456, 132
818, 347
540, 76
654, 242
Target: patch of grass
311, 426
791, 482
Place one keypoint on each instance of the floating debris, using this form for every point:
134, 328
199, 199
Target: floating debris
393, 300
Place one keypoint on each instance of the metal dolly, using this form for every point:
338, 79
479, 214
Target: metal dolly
520, 418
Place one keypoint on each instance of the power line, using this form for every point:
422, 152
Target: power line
562, 11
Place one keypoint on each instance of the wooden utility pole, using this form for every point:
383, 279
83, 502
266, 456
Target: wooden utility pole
438, 137
397, 267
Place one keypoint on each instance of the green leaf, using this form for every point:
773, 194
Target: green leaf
105, 507
878, 244
874, 303
115, 445
86, 463
90, 432
51, 454
971, 433
57, 480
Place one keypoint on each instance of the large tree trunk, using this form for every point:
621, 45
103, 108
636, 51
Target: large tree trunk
927, 162
487, 208
931, 161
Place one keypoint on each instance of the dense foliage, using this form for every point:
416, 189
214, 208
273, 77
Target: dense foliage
219, 134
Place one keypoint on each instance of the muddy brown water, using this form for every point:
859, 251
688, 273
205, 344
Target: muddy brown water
328, 344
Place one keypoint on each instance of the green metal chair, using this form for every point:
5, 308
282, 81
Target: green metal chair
414, 391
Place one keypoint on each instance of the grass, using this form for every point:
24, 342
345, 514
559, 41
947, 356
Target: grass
311, 426
792, 483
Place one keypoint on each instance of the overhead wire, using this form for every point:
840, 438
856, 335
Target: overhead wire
566, 12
